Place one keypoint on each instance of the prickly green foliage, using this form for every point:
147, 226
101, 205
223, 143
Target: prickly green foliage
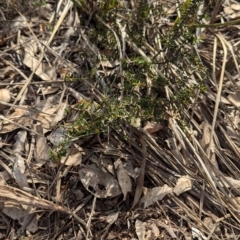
177, 43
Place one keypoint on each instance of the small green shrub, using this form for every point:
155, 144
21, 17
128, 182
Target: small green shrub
141, 100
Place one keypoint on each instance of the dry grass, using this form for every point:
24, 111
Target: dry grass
78, 158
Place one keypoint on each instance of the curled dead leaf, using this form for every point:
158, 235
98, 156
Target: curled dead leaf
5, 96
183, 184
99, 183
146, 230
152, 127
155, 194
123, 179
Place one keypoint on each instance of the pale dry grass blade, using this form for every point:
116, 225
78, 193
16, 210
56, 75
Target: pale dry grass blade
214, 62
219, 92
202, 164
230, 47
14, 195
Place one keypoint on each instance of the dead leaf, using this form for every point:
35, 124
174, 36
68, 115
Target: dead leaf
153, 195
132, 172
44, 71
5, 96
235, 7
99, 183
47, 120
22, 213
210, 225
234, 99
19, 162
168, 228
236, 200
197, 234
111, 218
20, 120
57, 136
228, 10
74, 157
19, 171
20, 138
152, 127
15, 212
183, 184
205, 142
18, 23
146, 230
60, 113
107, 163
123, 178
42, 150
52, 112
235, 183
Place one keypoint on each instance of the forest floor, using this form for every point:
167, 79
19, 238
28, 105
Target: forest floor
119, 119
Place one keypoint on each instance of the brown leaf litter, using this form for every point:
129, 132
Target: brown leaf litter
178, 180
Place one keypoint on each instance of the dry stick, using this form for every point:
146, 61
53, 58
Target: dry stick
84, 202
34, 83
7, 157
173, 125
56, 11
4, 166
201, 199
216, 11
90, 217
19, 125
33, 110
58, 174
31, 149
217, 25
139, 187
58, 198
